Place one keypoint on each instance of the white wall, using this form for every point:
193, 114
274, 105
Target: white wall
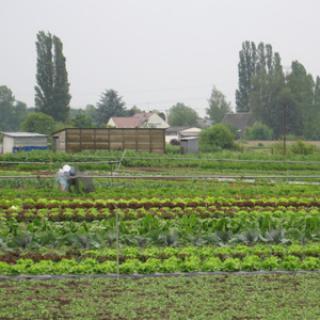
155, 121
8, 144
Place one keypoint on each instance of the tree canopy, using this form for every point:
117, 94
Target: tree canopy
39, 122
52, 90
12, 112
276, 99
182, 115
218, 106
110, 105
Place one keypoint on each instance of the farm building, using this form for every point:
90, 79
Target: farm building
76, 140
23, 141
172, 133
139, 120
190, 132
189, 145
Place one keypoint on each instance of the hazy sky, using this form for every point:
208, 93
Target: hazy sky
153, 52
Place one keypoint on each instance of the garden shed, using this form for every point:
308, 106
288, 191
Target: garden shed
23, 141
189, 144
76, 140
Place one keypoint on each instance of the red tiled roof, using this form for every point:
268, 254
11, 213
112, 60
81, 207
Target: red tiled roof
131, 122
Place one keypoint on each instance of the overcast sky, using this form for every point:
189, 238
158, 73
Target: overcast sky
153, 52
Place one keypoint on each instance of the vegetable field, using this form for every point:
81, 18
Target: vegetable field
161, 227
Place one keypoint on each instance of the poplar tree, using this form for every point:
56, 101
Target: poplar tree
52, 90
246, 72
301, 85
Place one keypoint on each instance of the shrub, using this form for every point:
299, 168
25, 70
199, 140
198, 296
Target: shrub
172, 149
38, 122
259, 131
303, 148
216, 138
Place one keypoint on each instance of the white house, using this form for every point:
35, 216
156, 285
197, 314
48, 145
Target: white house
14, 141
139, 120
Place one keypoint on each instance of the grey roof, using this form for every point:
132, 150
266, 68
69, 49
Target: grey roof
23, 134
240, 120
175, 129
189, 138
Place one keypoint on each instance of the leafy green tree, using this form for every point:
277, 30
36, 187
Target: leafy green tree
182, 115
289, 115
20, 112
12, 112
317, 93
91, 112
259, 131
215, 138
218, 106
134, 110
110, 105
38, 122
52, 90
82, 120
264, 97
61, 95
301, 85
6, 108
246, 72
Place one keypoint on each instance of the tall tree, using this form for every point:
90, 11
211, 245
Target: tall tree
316, 99
110, 105
301, 85
52, 90
6, 108
182, 115
218, 106
61, 96
246, 71
267, 84
12, 112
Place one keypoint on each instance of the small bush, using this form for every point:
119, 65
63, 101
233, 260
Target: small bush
259, 131
303, 148
216, 138
172, 149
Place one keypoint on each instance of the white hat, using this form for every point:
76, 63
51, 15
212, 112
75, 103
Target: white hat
66, 168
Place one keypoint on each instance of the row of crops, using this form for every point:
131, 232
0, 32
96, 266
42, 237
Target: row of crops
139, 189
76, 236
219, 162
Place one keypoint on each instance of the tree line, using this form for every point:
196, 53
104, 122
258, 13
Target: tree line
283, 102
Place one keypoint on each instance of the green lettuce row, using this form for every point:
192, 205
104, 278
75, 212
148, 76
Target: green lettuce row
160, 202
153, 265
162, 253
91, 214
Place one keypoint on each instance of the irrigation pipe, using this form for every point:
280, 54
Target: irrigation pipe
166, 177
103, 160
60, 161
153, 275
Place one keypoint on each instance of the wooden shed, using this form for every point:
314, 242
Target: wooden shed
23, 141
76, 140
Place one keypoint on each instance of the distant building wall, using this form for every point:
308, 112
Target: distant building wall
189, 145
9, 143
76, 140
